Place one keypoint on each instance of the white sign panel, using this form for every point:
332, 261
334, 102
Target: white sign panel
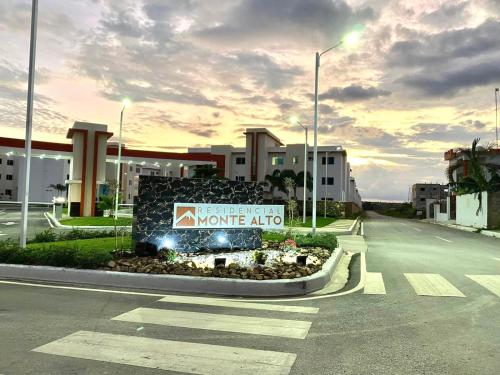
208, 215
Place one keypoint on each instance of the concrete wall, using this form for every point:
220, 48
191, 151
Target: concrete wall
494, 210
467, 210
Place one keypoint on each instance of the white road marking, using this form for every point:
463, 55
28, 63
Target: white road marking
429, 284
296, 329
442, 239
490, 282
236, 304
497, 259
3, 234
374, 283
169, 355
417, 229
9, 223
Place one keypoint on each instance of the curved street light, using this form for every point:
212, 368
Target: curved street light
350, 39
126, 102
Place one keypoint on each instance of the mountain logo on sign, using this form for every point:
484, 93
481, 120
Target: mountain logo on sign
185, 216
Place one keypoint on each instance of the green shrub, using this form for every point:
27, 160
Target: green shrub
48, 235
54, 255
259, 257
274, 236
325, 240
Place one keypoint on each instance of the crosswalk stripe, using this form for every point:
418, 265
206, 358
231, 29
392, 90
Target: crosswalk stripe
374, 283
428, 284
169, 355
490, 282
218, 322
237, 304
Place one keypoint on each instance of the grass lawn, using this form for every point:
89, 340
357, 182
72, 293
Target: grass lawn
320, 222
96, 221
106, 243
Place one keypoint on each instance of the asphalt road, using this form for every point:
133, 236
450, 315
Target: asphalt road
395, 332
10, 218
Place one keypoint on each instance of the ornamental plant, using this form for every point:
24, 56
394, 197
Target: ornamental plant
289, 245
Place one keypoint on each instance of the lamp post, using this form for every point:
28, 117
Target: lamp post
326, 180
304, 206
350, 39
496, 114
126, 103
29, 125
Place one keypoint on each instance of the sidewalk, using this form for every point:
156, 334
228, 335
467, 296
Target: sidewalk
451, 224
339, 227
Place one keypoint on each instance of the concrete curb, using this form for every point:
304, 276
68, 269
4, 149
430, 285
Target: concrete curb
466, 229
54, 223
490, 233
177, 283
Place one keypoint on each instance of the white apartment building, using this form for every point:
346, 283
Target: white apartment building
88, 165
264, 153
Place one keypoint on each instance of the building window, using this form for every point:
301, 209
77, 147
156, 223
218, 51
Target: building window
310, 158
129, 196
8, 192
10, 162
422, 199
278, 160
131, 169
69, 161
295, 160
331, 160
240, 178
138, 170
0, 161
129, 182
422, 189
9, 177
152, 173
67, 177
329, 180
240, 160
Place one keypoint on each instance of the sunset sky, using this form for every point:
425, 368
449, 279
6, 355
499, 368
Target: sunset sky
420, 81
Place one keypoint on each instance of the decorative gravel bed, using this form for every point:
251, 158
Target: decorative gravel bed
277, 263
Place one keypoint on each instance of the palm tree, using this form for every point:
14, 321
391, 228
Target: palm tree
59, 187
300, 180
477, 179
206, 171
275, 181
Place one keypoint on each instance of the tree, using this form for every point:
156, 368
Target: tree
206, 171
59, 187
477, 179
275, 181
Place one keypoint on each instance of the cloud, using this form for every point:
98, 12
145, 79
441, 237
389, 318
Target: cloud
447, 15
353, 93
299, 22
451, 81
433, 49
458, 134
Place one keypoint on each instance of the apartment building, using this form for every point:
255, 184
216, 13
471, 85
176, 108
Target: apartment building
88, 165
265, 152
421, 192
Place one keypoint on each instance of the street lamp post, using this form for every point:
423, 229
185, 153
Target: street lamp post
29, 125
349, 39
126, 103
304, 206
496, 114
326, 180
